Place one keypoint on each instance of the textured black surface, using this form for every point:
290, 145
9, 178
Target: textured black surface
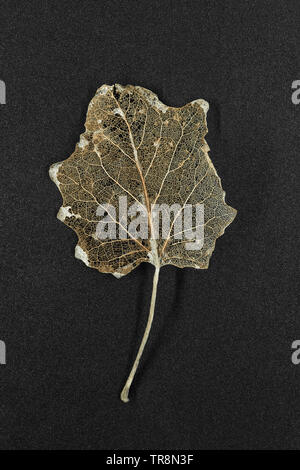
217, 371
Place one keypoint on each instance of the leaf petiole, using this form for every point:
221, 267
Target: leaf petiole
125, 391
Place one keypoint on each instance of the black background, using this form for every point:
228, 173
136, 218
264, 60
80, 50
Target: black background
217, 371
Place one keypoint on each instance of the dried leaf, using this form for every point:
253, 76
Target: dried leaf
155, 155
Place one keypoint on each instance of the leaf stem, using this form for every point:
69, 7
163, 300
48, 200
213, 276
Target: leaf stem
125, 391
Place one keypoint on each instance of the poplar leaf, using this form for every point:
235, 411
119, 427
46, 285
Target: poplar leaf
154, 157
